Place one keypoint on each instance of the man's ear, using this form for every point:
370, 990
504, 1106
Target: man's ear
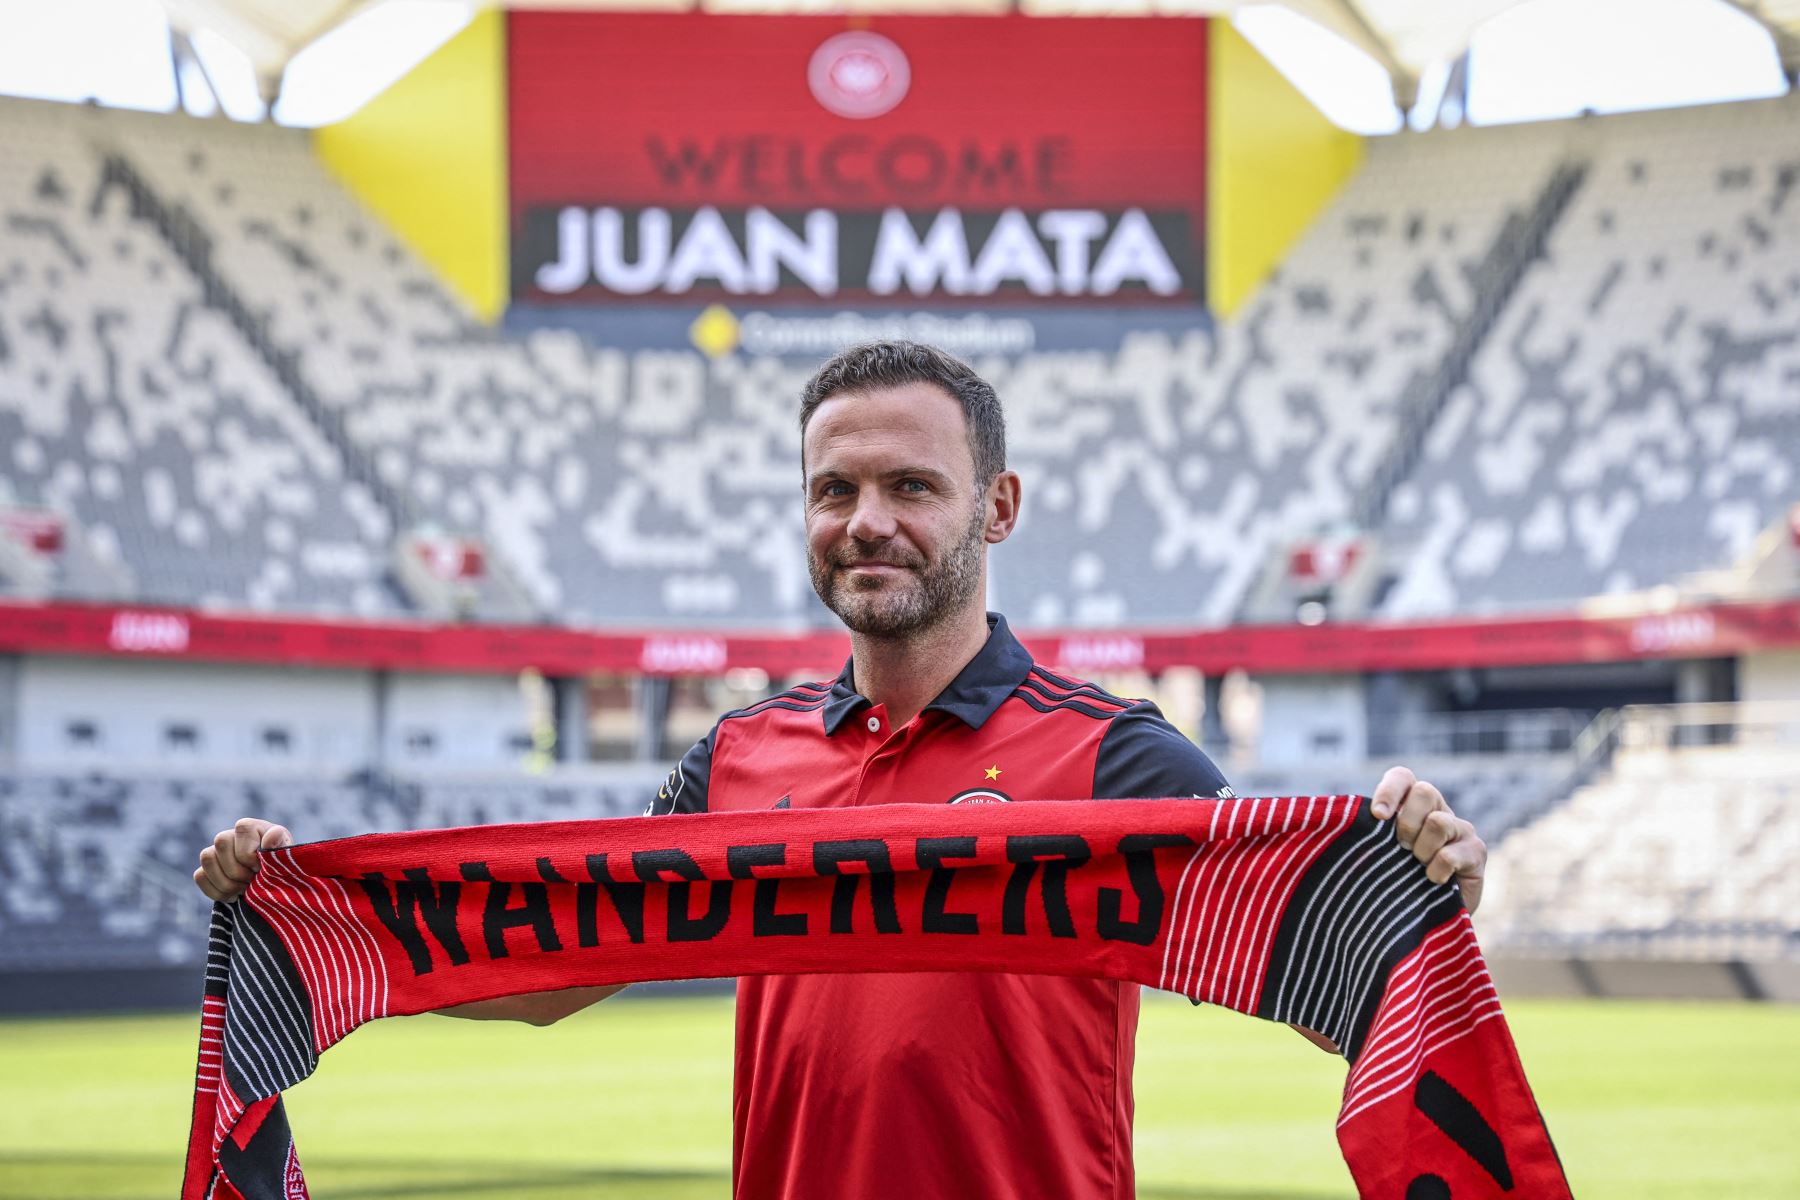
1002, 503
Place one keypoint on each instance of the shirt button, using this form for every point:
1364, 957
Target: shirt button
874, 724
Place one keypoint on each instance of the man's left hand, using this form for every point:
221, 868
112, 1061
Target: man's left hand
1440, 839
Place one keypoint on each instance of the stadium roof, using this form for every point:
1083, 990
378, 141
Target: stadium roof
1407, 37
1370, 66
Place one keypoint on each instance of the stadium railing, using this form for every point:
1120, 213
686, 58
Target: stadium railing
1683, 843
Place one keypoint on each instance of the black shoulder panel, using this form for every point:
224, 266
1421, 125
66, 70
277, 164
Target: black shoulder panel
1143, 756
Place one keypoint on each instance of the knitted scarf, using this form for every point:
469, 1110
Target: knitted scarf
1303, 910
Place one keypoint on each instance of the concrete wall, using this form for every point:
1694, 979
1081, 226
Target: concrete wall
9, 707
1393, 700
333, 720
1770, 675
137, 711
454, 721
1646, 979
1309, 719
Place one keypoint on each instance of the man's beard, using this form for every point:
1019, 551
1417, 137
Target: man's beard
898, 606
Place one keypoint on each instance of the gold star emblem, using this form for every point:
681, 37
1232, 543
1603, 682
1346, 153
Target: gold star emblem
993, 772
715, 332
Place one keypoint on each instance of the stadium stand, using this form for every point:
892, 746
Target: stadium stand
579, 466
626, 487
129, 408
1631, 419
1675, 852
1498, 793
656, 486
1662, 832
1177, 466
235, 390
94, 868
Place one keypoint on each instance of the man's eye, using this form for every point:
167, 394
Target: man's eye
913, 485
835, 489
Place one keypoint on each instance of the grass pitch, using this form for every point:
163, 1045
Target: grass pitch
1645, 1101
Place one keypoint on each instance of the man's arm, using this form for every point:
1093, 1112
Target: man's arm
230, 863
683, 791
533, 1008
1142, 755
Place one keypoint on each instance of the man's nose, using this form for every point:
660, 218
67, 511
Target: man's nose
872, 520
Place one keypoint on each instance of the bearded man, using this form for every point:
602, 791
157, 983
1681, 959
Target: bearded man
911, 1085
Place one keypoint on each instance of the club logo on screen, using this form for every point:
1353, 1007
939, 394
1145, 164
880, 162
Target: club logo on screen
981, 796
859, 75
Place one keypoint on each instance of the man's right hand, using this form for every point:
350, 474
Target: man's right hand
228, 865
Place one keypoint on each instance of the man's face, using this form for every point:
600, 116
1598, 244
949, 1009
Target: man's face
895, 527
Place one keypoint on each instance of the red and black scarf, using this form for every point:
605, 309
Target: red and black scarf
1304, 910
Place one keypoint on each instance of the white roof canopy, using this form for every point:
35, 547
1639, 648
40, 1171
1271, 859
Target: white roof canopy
1407, 37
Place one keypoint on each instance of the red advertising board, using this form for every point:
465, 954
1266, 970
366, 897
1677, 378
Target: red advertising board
1719, 631
686, 156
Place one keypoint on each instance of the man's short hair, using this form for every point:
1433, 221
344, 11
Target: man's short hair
864, 368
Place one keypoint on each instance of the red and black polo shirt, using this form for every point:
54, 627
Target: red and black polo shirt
936, 1085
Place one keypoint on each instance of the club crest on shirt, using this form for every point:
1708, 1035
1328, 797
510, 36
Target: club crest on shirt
981, 796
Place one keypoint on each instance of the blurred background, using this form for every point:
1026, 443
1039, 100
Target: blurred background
397, 430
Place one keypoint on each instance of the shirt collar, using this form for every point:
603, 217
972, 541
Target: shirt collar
981, 686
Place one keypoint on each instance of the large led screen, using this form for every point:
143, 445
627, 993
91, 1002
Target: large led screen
687, 158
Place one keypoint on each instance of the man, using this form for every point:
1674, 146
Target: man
925, 1085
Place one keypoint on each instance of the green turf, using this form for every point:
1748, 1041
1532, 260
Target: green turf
1645, 1101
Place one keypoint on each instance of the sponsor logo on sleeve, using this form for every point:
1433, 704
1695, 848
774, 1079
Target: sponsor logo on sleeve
667, 793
